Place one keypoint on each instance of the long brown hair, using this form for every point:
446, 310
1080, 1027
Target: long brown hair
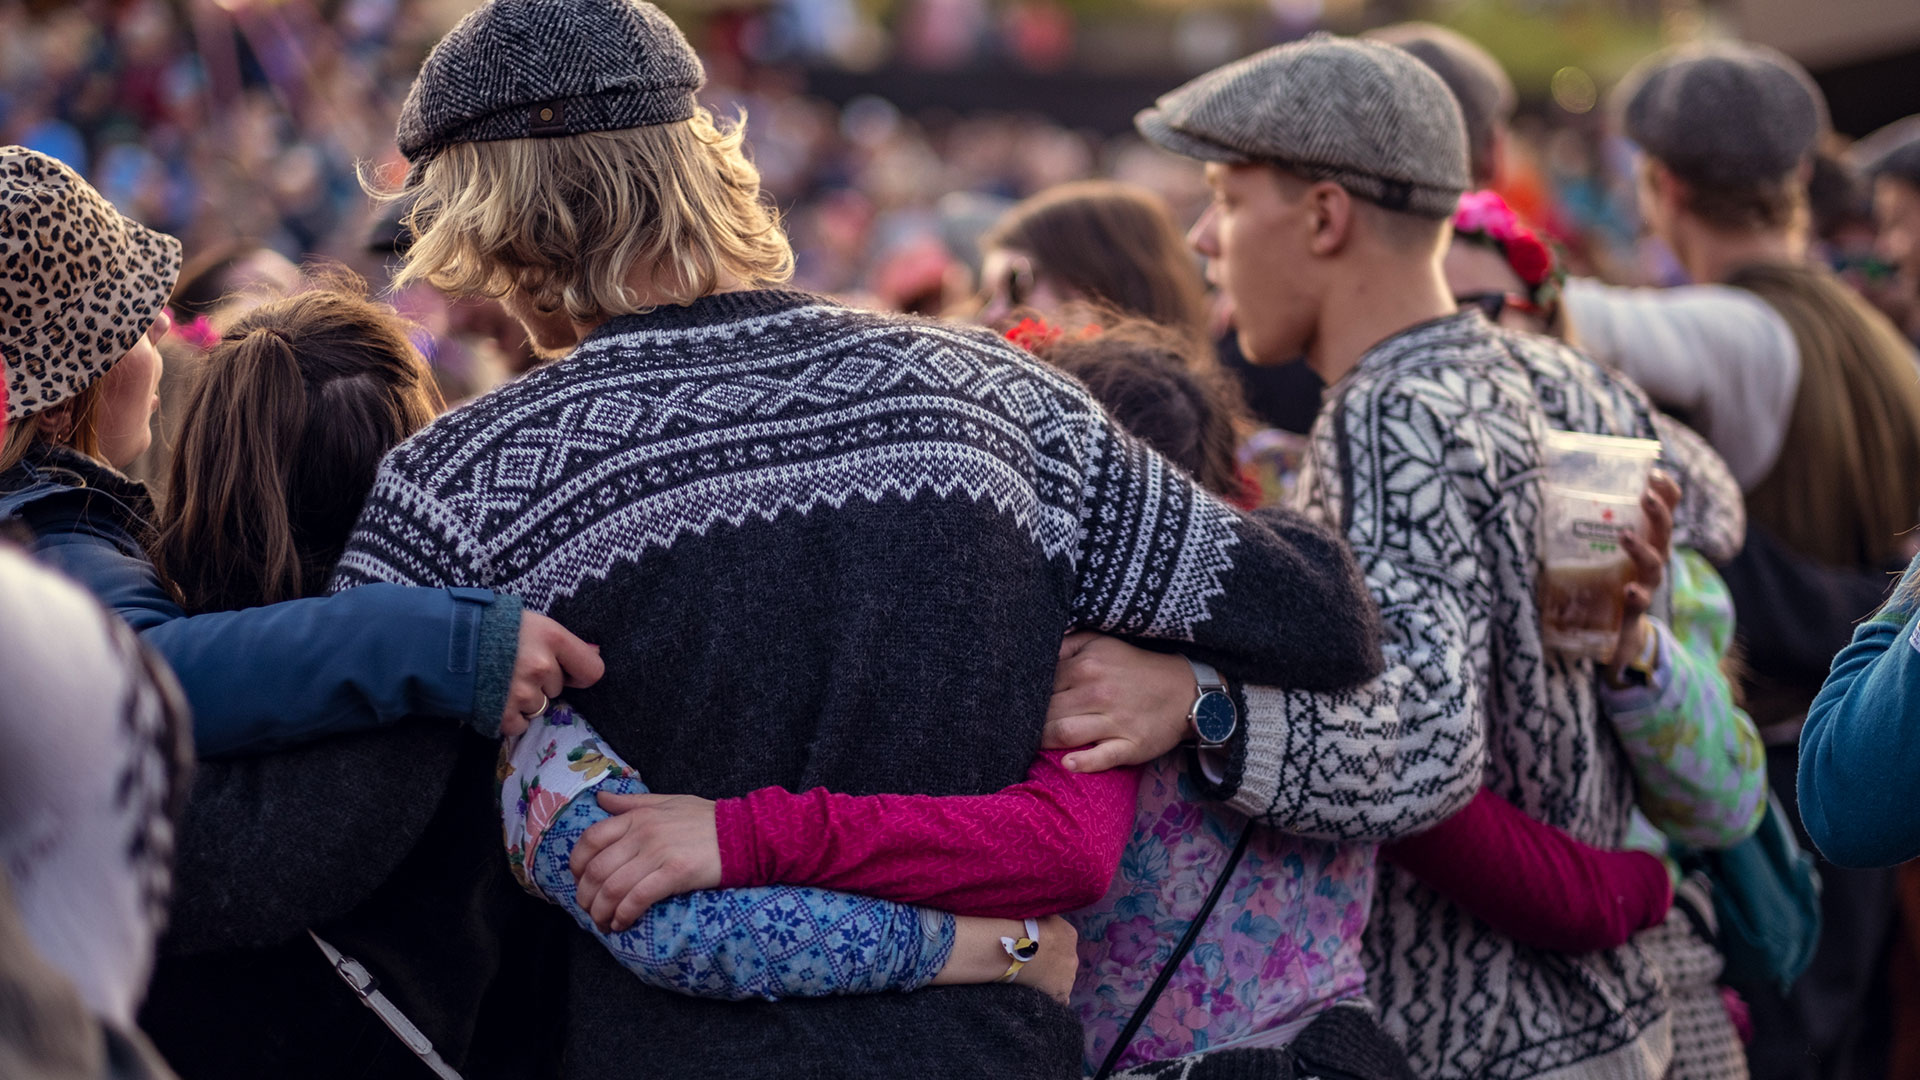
279, 443
1847, 484
1115, 244
1165, 388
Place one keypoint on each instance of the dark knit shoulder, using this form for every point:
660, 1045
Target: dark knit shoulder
740, 333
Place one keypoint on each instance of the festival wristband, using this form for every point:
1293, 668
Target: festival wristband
1023, 950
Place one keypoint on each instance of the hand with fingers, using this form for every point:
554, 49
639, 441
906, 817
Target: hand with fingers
550, 660
1649, 550
653, 847
1058, 963
1122, 704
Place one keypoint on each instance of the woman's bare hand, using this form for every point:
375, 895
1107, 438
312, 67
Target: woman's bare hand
1125, 705
1058, 962
1649, 553
653, 847
550, 660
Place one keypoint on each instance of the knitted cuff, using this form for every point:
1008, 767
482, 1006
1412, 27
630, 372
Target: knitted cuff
498, 649
1650, 895
765, 836
733, 825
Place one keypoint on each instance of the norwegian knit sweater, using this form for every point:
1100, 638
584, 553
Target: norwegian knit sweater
821, 547
1428, 456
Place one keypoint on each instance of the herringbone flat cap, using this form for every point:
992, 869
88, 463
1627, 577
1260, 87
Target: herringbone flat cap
519, 69
1722, 112
1366, 115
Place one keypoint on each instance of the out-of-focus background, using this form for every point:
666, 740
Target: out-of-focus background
889, 131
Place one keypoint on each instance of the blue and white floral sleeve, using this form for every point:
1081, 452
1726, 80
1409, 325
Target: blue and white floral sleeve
774, 942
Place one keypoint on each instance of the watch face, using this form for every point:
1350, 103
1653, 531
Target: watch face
1214, 718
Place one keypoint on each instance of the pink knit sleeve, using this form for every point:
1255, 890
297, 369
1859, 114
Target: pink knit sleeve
1048, 844
1533, 882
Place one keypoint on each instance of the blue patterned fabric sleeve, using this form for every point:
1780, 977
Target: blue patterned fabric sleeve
770, 943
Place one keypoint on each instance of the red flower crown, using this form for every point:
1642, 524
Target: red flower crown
1485, 217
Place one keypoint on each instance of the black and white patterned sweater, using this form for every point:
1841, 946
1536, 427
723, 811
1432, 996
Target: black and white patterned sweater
820, 546
1428, 455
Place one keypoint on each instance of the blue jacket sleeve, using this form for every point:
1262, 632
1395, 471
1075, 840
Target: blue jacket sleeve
270, 677
1859, 751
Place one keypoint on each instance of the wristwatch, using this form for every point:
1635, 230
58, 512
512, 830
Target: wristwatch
1213, 717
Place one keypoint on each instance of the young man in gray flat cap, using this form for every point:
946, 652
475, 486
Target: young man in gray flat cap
1335, 166
1810, 396
818, 548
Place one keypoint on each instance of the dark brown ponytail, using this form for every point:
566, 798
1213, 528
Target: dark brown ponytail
279, 443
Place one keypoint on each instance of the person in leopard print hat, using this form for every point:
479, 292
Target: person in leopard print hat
80, 287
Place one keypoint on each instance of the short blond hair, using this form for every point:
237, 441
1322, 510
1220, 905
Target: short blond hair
567, 220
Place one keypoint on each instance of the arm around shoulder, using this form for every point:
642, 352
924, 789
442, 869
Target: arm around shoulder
1403, 750
1268, 597
268, 677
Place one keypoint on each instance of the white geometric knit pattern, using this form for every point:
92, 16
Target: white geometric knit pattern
647, 436
1427, 458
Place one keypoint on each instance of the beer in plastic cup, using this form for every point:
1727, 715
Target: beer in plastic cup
1592, 495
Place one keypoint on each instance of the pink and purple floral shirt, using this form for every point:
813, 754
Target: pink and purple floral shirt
1283, 944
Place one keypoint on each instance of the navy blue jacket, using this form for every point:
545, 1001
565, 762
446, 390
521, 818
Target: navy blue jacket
287, 673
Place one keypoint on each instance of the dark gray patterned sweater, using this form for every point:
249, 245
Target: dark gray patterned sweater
820, 546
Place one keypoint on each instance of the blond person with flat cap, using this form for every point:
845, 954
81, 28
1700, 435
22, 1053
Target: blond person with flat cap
818, 547
1335, 166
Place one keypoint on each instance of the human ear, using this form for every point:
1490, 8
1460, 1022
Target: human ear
1329, 211
56, 423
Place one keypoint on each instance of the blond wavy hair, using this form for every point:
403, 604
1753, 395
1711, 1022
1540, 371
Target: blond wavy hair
569, 221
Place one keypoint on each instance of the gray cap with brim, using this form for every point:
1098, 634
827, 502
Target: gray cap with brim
1723, 112
1365, 115
529, 69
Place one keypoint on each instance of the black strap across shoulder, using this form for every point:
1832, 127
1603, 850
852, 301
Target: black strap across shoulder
1180, 952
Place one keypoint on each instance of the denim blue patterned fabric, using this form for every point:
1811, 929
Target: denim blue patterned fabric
746, 943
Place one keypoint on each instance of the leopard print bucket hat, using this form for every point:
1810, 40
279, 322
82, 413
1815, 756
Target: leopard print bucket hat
79, 282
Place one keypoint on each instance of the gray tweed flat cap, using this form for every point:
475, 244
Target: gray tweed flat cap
1481, 86
1722, 113
519, 69
1894, 151
1366, 115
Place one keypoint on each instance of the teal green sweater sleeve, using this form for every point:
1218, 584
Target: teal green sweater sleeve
1860, 748
498, 648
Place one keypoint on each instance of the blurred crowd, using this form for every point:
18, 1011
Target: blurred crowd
1613, 274
245, 126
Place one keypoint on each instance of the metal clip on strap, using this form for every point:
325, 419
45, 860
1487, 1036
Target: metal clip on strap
367, 989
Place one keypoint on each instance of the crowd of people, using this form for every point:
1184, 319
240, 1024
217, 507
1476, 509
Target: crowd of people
1121, 635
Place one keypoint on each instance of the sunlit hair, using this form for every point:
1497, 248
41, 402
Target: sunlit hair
279, 442
83, 433
567, 221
